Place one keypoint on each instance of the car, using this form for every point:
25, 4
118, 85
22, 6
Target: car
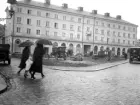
59, 52
134, 54
5, 53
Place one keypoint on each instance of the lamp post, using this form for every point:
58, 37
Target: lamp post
10, 15
11, 12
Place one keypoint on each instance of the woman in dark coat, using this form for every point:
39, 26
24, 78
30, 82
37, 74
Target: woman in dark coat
37, 61
24, 57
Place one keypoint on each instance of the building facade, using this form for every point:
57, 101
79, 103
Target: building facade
78, 30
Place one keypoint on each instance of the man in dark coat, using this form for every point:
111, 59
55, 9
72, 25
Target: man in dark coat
37, 61
24, 57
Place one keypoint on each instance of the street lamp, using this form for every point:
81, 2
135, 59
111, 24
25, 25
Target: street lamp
11, 13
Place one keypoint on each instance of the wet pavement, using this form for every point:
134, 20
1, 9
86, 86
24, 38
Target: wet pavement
115, 86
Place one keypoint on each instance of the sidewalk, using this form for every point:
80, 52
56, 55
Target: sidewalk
3, 85
90, 68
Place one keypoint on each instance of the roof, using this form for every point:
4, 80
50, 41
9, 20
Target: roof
70, 10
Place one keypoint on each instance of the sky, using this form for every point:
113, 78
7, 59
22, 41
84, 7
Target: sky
128, 9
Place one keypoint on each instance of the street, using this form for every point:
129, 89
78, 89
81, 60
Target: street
119, 85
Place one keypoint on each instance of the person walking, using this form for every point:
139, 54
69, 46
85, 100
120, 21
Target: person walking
24, 57
37, 61
28, 65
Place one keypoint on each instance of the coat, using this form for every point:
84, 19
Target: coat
37, 59
24, 57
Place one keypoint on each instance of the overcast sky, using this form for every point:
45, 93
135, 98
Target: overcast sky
128, 9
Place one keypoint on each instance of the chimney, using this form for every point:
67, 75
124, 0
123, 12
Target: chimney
11, 1
65, 5
107, 14
80, 8
118, 17
94, 11
47, 2
27, 1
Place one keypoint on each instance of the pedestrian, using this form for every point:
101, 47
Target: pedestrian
37, 61
24, 57
28, 65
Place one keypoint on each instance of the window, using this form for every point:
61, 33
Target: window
124, 35
64, 26
56, 16
38, 32
108, 25
71, 27
79, 28
133, 35
47, 14
78, 36
114, 26
96, 22
102, 32
102, 39
47, 33
88, 29
123, 41
29, 21
124, 28
114, 33
55, 34
133, 42
103, 24
128, 35
63, 34
19, 10
128, 42
119, 34
64, 17
96, 31
47, 24
118, 40
29, 12
28, 31
79, 20
119, 27
134, 30
71, 35
108, 33
38, 13
18, 29
38, 22
72, 18
88, 21
96, 38
55, 25
19, 20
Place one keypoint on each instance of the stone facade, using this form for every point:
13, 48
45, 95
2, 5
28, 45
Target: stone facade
76, 29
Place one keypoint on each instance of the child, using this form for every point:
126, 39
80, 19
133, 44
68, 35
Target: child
28, 65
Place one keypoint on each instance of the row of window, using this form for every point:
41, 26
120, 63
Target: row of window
114, 26
38, 32
103, 39
56, 26
109, 25
88, 37
79, 28
114, 33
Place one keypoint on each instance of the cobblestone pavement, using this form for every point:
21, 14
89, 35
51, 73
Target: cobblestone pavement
116, 86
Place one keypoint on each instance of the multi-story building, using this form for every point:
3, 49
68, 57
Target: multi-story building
78, 30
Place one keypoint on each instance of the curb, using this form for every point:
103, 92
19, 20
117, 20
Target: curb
6, 88
89, 70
